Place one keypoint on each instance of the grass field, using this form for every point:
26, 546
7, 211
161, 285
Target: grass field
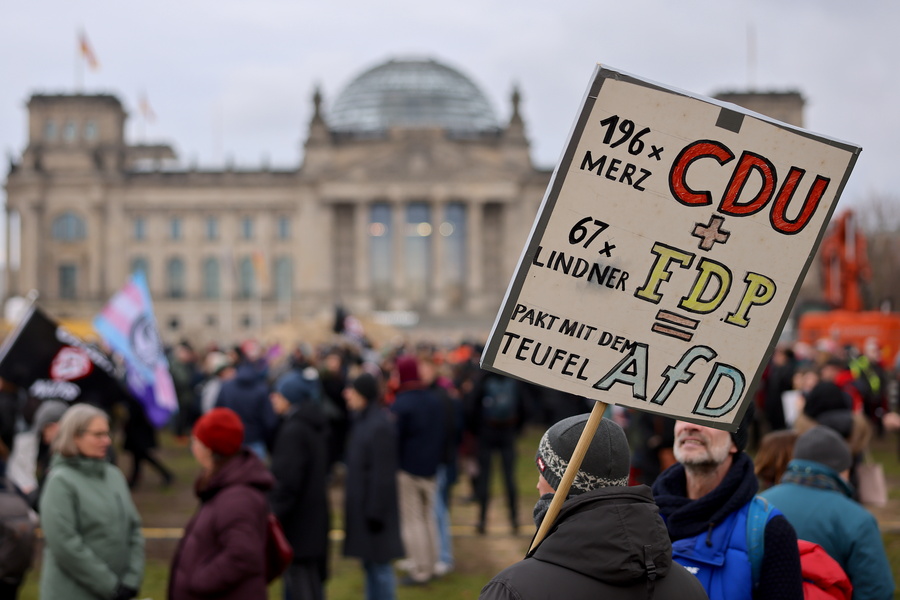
478, 558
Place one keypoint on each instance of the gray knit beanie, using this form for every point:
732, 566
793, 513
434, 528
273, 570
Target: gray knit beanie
606, 463
48, 412
825, 446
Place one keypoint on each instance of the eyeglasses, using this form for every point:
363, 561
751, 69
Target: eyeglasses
98, 434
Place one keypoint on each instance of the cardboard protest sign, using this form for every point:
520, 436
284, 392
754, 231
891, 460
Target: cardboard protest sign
667, 252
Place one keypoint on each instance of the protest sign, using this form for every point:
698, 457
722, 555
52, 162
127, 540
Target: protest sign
667, 252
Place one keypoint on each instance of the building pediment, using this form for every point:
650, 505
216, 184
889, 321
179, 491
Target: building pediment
419, 155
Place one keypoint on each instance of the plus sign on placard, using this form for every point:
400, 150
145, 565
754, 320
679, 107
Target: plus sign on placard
711, 233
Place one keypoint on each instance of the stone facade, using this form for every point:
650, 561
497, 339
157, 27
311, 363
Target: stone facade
228, 253
422, 221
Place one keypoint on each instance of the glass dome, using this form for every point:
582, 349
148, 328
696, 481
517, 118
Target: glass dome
411, 93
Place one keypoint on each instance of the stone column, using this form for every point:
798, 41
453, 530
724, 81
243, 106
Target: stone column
97, 231
475, 256
438, 299
118, 232
11, 284
31, 247
398, 220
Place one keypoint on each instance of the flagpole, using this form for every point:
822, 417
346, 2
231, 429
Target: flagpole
79, 68
142, 125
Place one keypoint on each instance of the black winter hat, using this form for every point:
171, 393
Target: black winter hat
824, 397
367, 386
606, 463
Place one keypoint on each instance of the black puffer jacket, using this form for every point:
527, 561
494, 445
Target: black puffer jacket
608, 543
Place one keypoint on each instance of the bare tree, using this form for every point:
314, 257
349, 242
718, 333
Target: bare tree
879, 218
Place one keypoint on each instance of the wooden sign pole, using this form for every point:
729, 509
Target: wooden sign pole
584, 442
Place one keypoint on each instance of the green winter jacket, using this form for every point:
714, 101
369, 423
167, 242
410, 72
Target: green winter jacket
92, 531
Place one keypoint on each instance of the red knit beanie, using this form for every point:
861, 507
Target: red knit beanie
221, 431
407, 369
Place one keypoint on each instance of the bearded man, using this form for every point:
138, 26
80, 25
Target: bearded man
705, 500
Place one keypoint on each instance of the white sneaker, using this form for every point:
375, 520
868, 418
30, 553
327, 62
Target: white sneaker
441, 568
404, 564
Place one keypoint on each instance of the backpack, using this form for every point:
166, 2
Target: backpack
823, 577
499, 401
17, 535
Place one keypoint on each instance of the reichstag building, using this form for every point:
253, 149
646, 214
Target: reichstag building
412, 198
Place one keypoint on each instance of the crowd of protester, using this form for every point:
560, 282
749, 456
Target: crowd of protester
396, 428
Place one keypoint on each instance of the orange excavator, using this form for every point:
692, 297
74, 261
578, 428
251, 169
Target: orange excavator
845, 272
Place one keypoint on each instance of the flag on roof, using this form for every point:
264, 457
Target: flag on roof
87, 53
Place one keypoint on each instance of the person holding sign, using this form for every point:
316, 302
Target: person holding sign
705, 500
608, 540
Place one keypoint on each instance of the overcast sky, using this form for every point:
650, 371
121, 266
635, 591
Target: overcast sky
234, 79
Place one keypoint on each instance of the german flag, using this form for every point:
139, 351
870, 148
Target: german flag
87, 53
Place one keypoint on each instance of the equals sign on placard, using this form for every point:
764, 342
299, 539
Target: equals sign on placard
674, 325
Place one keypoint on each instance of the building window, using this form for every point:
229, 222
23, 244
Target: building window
49, 130
90, 131
68, 227
418, 251
68, 282
380, 253
175, 278
212, 228
284, 278
70, 131
140, 228
211, 277
139, 264
247, 278
247, 228
175, 228
284, 228
453, 232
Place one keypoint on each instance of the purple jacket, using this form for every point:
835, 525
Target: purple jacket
222, 553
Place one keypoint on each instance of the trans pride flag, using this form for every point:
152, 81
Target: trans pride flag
128, 327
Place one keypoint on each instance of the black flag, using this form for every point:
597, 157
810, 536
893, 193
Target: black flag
51, 362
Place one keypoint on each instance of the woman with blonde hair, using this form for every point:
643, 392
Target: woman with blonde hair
93, 547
